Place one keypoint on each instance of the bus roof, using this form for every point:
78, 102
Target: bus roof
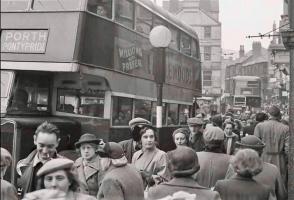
151, 6
246, 78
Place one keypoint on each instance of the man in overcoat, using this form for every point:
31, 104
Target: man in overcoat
275, 135
196, 141
183, 164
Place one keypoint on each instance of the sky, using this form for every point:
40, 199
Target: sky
241, 18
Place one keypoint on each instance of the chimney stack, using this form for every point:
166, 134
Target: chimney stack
256, 49
241, 51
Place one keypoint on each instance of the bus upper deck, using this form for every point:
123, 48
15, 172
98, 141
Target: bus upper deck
71, 61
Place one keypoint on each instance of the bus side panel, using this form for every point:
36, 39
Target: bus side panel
119, 134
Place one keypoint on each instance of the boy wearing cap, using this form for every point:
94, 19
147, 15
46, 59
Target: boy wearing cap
46, 139
121, 180
132, 145
8, 191
196, 141
87, 167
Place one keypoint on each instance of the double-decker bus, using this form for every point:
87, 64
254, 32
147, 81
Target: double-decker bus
88, 66
246, 93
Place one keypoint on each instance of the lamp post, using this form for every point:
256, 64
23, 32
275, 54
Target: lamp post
159, 37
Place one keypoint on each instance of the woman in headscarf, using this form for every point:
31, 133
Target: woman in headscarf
181, 137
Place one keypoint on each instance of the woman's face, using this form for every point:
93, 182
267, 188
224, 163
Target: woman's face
180, 139
57, 180
148, 139
229, 129
88, 151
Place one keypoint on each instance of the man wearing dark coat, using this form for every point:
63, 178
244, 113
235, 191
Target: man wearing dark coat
196, 141
183, 164
46, 139
213, 162
275, 135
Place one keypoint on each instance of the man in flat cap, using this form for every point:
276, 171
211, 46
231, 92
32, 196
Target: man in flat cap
46, 140
270, 174
213, 161
121, 180
275, 135
183, 163
132, 145
196, 141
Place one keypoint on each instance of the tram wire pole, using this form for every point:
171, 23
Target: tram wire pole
288, 40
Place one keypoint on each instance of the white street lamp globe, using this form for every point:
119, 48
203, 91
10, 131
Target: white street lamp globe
160, 36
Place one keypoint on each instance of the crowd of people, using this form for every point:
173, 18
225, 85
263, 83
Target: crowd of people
216, 158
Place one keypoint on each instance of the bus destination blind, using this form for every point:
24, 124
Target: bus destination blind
24, 41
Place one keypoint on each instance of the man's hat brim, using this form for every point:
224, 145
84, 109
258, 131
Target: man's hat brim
95, 141
259, 146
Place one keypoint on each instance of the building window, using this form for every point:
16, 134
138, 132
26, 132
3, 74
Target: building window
207, 53
143, 20
207, 75
207, 31
124, 12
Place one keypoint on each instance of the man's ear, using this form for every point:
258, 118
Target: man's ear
58, 140
35, 139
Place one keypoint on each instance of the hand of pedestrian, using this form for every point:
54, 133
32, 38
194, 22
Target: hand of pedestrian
45, 194
147, 177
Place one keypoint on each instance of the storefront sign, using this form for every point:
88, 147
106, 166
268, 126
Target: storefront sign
24, 41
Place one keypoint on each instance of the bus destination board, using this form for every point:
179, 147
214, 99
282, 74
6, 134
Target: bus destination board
24, 41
